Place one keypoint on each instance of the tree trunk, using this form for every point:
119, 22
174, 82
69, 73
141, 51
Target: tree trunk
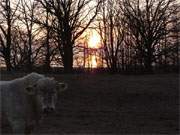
122, 60
47, 60
68, 59
148, 61
8, 62
8, 48
114, 64
29, 62
48, 55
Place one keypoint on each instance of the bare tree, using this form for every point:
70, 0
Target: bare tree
72, 17
27, 14
7, 19
19, 50
147, 21
47, 46
50, 35
112, 33
172, 51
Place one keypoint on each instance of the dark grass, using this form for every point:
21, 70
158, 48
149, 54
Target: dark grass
114, 104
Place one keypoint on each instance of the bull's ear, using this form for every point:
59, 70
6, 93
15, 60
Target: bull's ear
62, 86
31, 90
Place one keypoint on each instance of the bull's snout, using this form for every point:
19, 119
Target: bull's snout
48, 110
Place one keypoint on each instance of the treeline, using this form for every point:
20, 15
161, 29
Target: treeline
135, 34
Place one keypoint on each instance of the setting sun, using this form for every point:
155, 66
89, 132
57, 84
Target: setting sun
94, 40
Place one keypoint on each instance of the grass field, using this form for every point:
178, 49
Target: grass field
114, 104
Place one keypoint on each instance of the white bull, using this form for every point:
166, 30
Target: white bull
23, 100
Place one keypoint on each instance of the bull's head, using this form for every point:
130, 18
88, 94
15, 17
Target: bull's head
46, 91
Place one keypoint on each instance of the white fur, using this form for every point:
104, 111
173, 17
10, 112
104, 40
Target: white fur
21, 108
15, 104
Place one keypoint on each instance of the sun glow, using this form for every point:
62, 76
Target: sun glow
93, 61
94, 40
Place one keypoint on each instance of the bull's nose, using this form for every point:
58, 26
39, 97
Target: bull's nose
48, 110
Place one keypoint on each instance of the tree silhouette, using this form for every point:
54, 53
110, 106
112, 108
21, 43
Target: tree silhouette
7, 19
136, 35
112, 33
147, 22
72, 22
